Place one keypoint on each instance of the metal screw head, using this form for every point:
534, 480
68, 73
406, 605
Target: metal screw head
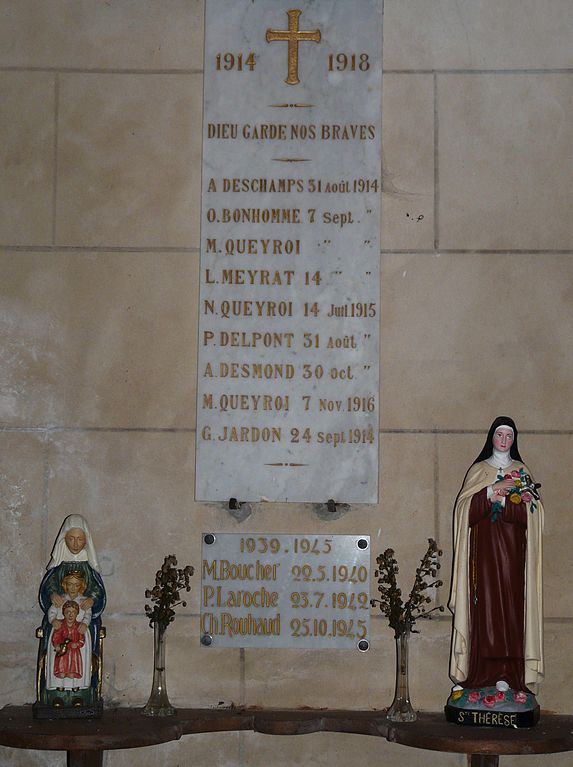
362, 543
363, 645
206, 640
209, 538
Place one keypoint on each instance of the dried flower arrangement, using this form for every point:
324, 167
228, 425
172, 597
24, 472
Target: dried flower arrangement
402, 617
166, 594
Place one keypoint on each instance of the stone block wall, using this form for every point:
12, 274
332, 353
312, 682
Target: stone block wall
100, 146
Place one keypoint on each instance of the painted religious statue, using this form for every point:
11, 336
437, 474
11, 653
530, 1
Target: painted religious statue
72, 597
496, 659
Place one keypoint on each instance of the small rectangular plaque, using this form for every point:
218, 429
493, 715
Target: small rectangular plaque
289, 303
302, 591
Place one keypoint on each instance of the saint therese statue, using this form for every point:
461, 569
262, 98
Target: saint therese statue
72, 597
496, 656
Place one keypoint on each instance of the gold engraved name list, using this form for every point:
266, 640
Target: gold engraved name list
287, 406
303, 591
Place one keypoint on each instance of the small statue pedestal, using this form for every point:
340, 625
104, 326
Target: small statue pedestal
490, 707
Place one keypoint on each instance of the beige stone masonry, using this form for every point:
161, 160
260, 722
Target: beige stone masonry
129, 160
100, 169
27, 135
93, 34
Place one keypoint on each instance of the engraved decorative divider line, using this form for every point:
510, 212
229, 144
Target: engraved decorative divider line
286, 465
290, 106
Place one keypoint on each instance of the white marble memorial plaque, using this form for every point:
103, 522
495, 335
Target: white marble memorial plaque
287, 406
301, 591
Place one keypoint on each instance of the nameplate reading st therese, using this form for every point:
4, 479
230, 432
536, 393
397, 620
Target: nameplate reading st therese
302, 591
287, 399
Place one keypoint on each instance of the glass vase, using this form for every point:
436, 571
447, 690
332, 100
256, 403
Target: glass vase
401, 709
158, 703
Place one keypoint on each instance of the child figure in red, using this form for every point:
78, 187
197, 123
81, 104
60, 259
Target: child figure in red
67, 641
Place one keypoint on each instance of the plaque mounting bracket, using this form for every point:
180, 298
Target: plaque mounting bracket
239, 510
331, 509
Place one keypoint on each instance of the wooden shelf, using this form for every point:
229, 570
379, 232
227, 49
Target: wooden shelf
86, 740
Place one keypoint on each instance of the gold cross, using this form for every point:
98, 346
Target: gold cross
293, 37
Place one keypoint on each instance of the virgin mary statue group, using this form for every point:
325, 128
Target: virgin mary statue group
72, 598
496, 658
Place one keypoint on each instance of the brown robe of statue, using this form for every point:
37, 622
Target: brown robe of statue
497, 583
